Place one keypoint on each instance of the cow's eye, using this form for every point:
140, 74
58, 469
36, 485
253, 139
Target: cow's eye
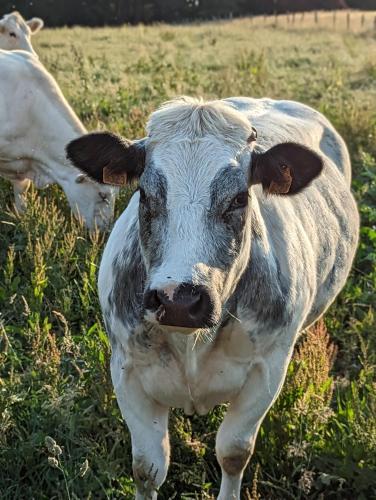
240, 201
12, 34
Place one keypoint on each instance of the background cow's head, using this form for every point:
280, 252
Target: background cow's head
15, 32
90, 201
196, 168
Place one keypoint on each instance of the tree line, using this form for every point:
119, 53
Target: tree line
115, 12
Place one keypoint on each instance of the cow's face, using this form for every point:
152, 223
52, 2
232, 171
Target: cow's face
193, 213
15, 32
196, 169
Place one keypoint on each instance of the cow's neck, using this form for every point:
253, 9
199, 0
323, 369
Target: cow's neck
49, 134
54, 161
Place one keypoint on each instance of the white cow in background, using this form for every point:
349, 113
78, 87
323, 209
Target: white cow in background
15, 31
36, 122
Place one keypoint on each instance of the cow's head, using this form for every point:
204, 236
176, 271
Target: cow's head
195, 171
92, 202
15, 32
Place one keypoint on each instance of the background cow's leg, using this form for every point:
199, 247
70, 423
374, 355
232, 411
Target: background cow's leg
237, 434
148, 424
19, 188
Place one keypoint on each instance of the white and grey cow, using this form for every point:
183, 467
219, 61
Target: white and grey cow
36, 122
224, 254
15, 31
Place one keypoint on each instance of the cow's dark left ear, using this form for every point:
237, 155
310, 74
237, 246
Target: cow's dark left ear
285, 169
108, 158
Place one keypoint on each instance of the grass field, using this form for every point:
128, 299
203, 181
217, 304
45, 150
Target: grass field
319, 440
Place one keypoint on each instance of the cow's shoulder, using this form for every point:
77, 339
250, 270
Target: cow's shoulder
129, 280
19, 68
263, 294
19, 60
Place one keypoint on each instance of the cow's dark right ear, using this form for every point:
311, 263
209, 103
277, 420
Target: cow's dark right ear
108, 158
285, 168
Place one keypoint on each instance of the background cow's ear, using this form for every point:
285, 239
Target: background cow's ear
35, 24
108, 158
286, 168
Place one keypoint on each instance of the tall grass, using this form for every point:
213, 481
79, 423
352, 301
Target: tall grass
61, 433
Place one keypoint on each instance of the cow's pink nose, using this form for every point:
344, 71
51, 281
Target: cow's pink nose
187, 306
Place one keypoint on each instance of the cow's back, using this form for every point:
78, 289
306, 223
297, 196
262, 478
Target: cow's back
19, 72
16, 64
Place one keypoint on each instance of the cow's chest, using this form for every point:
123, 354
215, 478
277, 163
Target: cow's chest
195, 375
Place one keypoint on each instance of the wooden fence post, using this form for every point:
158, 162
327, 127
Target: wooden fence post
362, 20
348, 21
316, 17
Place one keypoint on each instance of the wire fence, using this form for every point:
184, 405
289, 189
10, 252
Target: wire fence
341, 20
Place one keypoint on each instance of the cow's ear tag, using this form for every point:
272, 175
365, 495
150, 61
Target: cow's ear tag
114, 179
282, 187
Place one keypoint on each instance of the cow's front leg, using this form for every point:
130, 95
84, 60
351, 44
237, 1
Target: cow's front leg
20, 186
148, 425
237, 434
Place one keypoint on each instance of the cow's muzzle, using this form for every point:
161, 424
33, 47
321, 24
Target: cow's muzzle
183, 305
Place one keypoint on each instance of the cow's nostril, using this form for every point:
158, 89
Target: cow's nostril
196, 305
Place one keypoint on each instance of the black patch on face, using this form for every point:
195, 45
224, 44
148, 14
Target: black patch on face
153, 214
129, 282
226, 222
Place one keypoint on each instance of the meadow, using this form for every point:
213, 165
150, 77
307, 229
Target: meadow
61, 432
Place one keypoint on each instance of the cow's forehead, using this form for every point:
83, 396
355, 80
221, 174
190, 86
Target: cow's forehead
191, 141
189, 118
185, 157
190, 167
191, 171
14, 21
